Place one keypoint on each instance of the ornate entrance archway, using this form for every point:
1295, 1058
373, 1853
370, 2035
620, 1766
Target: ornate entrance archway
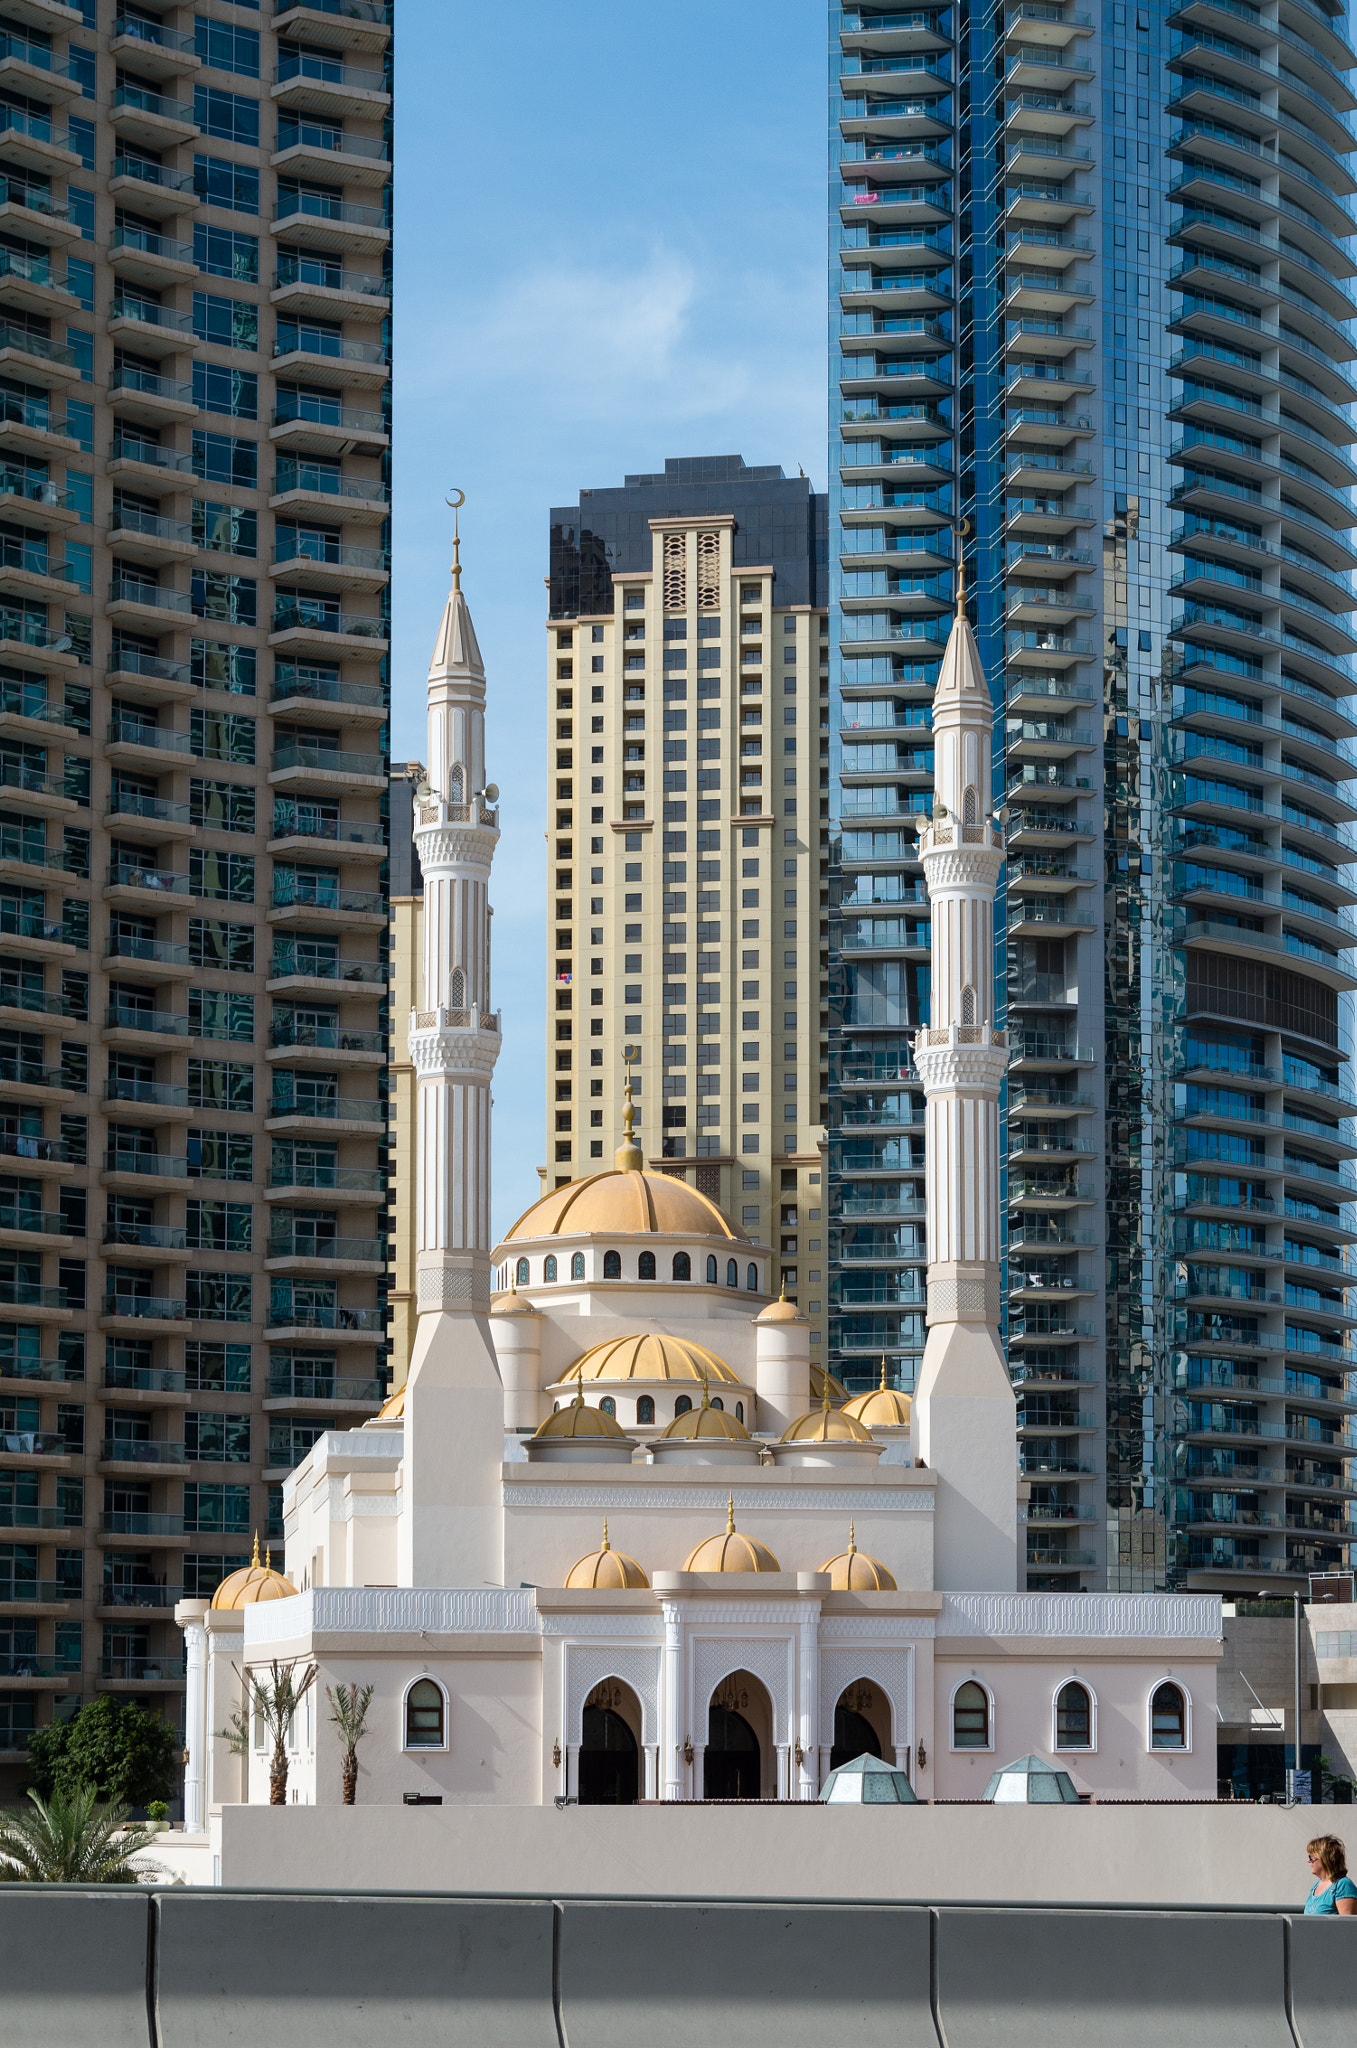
738, 1746
608, 1770
862, 1723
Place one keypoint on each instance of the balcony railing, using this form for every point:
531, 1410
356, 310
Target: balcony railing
143, 1669
289, 961
146, 241
315, 270
320, 1174
364, 1250
285, 1316
344, 1108
146, 1308
291, 613
326, 1037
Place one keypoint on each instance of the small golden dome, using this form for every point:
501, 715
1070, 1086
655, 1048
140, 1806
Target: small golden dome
825, 1425
651, 1358
253, 1582
730, 1552
881, 1408
781, 1310
706, 1421
393, 1408
606, 1570
852, 1571
576, 1421
818, 1380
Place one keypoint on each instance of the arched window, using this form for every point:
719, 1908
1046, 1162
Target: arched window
1073, 1717
425, 1715
718, 1403
739, 1411
711, 1269
968, 1005
645, 1266
732, 1272
682, 1405
970, 1717
1168, 1718
612, 1265
577, 1265
455, 783
549, 1266
645, 1409
683, 1266
457, 990
608, 1406
521, 1273
968, 806
751, 1278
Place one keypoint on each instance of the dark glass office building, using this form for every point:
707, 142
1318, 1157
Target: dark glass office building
1091, 277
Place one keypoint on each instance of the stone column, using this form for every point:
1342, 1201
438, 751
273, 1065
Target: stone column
190, 1615
671, 1760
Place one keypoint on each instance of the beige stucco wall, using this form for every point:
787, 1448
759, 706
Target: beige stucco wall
1190, 1855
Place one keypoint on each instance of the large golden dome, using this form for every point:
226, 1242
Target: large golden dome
253, 1582
626, 1204
852, 1571
825, 1425
577, 1421
881, 1408
650, 1358
606, 1570
393, 1408
730, 1552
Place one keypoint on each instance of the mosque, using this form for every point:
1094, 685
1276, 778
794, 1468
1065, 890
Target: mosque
618, 1538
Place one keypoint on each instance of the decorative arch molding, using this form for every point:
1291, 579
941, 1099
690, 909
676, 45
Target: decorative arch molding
767, 1658
587, 1664
892, 1670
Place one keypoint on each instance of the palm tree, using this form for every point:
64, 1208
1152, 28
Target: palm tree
71, 1839
349, 1712
276, 1700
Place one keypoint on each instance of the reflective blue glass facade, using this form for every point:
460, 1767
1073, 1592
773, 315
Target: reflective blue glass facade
1091, 277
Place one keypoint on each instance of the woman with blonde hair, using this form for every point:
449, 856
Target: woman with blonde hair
1333, 1891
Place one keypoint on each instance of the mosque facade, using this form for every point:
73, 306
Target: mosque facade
617, 1537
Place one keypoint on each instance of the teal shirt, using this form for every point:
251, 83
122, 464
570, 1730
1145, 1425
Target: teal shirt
1323, 1897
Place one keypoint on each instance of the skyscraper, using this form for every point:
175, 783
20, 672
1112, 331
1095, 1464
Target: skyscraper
1091, 295
194, 271
689, 747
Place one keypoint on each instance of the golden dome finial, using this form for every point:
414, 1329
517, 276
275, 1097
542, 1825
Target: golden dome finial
963, 527
706, 1390
825, 1403
883, 1387
852, 1540
255, 1558
457, 500
627, 1158
268, 1559
730, 1515
578, 1401
604, 1544
783, 1294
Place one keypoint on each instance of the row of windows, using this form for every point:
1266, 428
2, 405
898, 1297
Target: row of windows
682, 1269
645, 1407
425, 1717
1075, 1712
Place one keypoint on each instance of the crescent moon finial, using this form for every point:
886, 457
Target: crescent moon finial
456, 500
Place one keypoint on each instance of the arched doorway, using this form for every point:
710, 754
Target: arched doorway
738, 1751
609, 1759
861, 1724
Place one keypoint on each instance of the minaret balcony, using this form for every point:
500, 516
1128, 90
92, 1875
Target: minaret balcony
457, 1020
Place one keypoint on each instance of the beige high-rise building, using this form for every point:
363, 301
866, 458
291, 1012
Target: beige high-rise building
687, 699
194, 445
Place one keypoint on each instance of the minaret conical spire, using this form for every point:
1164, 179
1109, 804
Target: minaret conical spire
963, 1417
451, 1533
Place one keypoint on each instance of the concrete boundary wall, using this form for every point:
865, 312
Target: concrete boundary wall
218, 1969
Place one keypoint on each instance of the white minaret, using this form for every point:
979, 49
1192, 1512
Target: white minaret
964, 1419
454, 1407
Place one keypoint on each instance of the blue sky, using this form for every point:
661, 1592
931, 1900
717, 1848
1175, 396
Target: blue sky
610, 248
